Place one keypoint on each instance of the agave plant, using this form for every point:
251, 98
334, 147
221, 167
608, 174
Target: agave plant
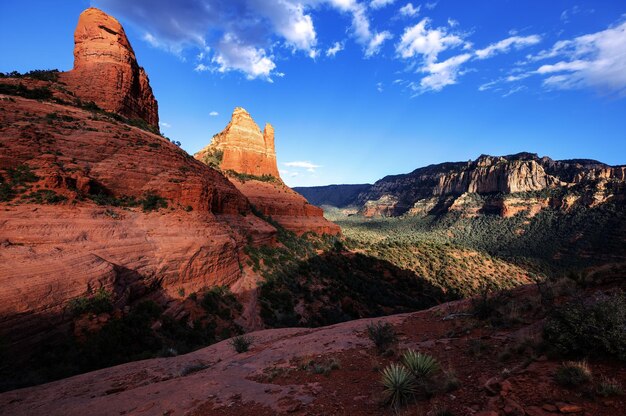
420, 365
399, 384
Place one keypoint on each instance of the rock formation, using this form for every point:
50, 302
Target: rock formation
106, 70
505, 185
243, 149
78, 223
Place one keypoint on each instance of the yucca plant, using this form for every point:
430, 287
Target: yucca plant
422, 366
399, 384
573, 373
609, 387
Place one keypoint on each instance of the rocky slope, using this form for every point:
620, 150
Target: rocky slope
91, 203
490, 365
106, 70
248, 157
504, 185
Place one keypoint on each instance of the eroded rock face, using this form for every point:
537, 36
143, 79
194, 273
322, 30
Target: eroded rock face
503, 185
106, 70
243, 147
287, 207
54, 249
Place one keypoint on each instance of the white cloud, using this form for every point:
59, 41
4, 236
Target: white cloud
431, 5
568, 14
379, 4
596, 60
514, 90
165, 125
420, 40
369, 39
235, 55
214, 114
505, 45
442, 74
379, 87
376, 42
409, 11
202, 68
423, 45
333, 50
452, 22
310, 167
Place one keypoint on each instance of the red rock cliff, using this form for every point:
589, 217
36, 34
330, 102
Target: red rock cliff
243, 147
106, 70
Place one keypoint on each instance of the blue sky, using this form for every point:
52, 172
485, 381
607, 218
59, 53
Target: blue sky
358, 89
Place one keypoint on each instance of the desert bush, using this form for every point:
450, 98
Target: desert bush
486, 305
422, 366
382, 335
39, 93
573, 373
586, 327
241, 343
98, 302
153, 202
44, 196
399, 385
609, 387
325, 367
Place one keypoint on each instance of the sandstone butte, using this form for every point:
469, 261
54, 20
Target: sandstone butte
106, 70
64, 230
243, 148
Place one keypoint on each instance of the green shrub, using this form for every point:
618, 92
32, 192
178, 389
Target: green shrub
44, 196
241, 343
382, 335
399, 385
588, 327
486, 304
99, 302
573, 373
214, 158
243, 177
21, 175
40, 74
153, 202
39, 93
422, 366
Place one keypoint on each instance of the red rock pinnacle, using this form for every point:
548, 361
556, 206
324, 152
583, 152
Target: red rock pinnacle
106, 70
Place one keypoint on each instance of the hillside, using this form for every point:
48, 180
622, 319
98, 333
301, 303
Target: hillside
492, 358
503, 185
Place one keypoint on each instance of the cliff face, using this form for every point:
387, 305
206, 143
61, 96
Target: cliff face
82, 206
106, 70
243, 149
503, 180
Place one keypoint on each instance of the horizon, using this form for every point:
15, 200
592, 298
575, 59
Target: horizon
347, 83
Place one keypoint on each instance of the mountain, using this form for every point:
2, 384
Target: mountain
503, 185
248, 157
334, 195
106, 70
95, 208
243, 147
